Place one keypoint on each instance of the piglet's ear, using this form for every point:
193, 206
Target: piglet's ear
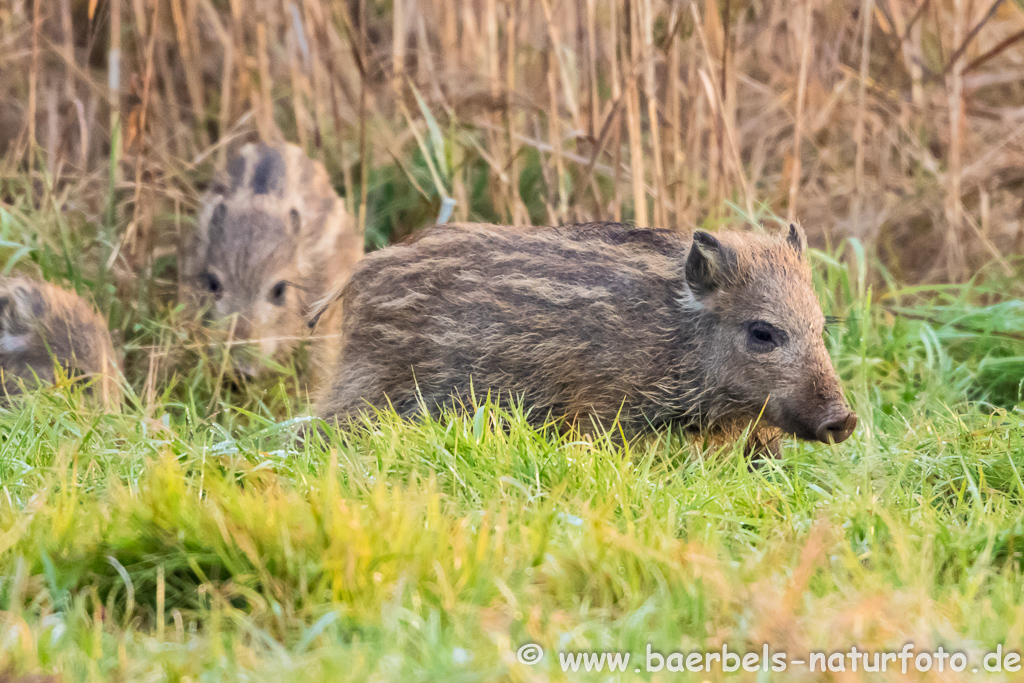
796, 238
708, 264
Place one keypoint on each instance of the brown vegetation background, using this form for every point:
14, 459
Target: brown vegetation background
900, 123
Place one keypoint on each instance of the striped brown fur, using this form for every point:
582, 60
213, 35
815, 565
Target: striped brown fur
593, 323
41, 323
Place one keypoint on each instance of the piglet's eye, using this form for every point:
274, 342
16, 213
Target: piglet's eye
764, 337
277, 293
212, 284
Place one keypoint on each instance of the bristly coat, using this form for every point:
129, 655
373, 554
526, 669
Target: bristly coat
593, 323
41, 323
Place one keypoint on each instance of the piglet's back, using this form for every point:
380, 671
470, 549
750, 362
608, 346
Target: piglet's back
41, 323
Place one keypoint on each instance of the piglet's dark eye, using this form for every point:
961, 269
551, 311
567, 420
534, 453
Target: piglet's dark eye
277, 293
212, 284
764, 337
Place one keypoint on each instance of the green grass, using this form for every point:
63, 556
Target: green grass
197, 539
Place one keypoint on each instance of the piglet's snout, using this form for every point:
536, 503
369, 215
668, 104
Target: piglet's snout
837, 429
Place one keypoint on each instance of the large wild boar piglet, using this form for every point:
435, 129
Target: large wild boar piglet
591, 324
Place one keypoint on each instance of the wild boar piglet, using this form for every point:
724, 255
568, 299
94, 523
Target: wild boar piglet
43, 326
594, 324
271, 242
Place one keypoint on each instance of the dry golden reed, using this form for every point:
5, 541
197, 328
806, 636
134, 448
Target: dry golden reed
898, 122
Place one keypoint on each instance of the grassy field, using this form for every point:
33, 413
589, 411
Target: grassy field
180, 541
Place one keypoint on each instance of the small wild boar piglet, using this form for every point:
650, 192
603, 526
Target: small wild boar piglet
272, 242
42, 324
595, 323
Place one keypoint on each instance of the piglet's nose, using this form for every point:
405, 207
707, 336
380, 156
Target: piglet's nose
838, 429
240, 329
